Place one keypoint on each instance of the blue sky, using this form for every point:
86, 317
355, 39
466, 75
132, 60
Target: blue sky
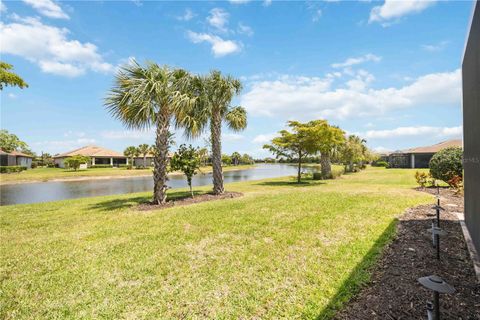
388, 71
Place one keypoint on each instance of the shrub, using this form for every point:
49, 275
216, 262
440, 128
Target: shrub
446, 164
12, 169
422, 178
101, 166
380, 164
317, 176
456, 182
74, 162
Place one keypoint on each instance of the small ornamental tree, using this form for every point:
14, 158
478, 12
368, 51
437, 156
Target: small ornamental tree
187, 160
446, 164
293, 145
74, 162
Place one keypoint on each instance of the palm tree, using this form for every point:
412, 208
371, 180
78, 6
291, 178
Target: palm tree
130, 152
203, 154
214, 94
236, 158
143, 150
146, 96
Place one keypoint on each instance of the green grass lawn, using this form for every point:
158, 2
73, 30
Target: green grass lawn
281, 251
46, 174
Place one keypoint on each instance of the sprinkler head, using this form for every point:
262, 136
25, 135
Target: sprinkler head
436, 284
437, 231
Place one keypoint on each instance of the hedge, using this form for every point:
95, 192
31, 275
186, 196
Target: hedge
11, 169
101, 166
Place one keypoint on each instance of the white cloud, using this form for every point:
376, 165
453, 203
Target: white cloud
381, 149
59, 146
395, 9
314, 97
12, 96
50, 48
244, 29
317, 15
138, 3
435, 47
267, 3
239, 1
220, 47
264, 138
48, 8
232, 137
441, 132
129, 134
3, 7
187, 15
357, 60
218, 19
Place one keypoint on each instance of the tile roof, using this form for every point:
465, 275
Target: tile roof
91, 151
16, 153
436, 147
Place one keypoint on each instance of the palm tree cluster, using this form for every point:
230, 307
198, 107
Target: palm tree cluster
145, 96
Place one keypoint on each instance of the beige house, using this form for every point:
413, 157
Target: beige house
419, 157
138, 161
97, 155
15, 158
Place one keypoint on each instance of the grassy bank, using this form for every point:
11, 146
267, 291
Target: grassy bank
281, 251
47, 174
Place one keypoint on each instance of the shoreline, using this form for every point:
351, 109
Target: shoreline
86, 178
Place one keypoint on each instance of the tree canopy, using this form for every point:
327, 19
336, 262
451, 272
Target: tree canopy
10, 142
9, 78
292, 145
187, 160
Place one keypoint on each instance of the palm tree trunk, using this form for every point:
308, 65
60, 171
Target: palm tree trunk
299, 173
145, 160
216, 135
161, 159
326, 165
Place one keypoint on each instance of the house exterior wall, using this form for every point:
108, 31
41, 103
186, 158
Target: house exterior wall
59, 162
471, 127
11, 160
24, 162
138, 162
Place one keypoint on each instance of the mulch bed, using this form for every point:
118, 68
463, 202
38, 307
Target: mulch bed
188, 201
394, 292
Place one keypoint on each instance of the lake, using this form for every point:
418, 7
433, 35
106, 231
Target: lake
61, 190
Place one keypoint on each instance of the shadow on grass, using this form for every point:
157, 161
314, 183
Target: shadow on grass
291, 183
359, 276
125, 203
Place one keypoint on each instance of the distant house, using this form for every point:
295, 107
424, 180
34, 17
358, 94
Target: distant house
15, 158
419, 157
138, 161
97, 155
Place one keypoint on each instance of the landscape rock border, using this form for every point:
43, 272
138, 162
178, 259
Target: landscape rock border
393, 291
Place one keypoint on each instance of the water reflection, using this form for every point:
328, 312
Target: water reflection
51, 191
